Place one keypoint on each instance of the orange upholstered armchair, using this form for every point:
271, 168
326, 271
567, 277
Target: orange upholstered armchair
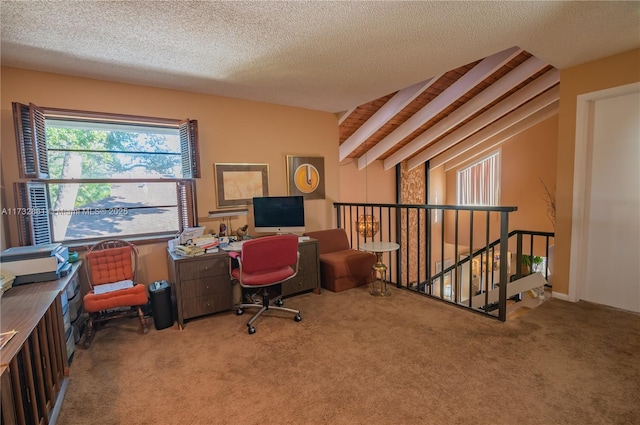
108, 262
342, 267
265, 262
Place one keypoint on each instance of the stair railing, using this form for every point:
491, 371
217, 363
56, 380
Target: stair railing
429, 235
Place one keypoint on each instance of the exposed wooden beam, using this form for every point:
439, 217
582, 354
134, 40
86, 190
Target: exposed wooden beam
493, 136
525, 70
465, 83
383, 115
528, 92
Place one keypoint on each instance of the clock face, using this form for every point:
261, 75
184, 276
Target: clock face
306, 178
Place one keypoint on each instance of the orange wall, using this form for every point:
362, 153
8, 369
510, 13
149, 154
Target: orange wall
605, 73
525, 159
371, 185
230, 130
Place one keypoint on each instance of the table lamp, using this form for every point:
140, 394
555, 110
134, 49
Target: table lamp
225, 216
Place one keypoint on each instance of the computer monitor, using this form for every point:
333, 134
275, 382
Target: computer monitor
279, 214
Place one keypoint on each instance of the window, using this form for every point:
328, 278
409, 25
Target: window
95, 175
479, 183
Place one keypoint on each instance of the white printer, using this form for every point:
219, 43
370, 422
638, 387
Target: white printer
36, 263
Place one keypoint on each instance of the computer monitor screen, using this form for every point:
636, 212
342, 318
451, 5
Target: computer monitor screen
279, 214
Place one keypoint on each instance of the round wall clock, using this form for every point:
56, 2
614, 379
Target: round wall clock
306, 178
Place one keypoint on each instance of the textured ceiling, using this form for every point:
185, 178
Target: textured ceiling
329, 56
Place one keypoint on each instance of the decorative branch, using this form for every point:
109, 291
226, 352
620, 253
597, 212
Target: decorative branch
550, 198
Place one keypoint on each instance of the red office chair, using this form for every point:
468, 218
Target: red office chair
266, 262
112, 261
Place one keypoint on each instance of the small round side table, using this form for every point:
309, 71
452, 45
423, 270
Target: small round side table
379, 267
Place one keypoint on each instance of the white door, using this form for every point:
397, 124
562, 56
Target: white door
610, 240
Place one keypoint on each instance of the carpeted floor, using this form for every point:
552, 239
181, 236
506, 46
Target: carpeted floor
358, 359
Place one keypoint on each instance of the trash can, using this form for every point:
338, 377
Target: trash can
161, 304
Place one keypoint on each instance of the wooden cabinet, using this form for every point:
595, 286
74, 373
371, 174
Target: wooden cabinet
308, 277
201, 284
35, 362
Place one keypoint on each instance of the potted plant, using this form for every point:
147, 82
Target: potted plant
530, 263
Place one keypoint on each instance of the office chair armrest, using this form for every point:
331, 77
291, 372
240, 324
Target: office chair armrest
235, 256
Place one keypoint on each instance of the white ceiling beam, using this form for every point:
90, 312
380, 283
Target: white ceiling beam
383, 115
345, 115
465, 83
494, 136
528, 92
516, 76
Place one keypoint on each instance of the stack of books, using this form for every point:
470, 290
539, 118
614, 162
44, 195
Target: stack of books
189, 250
207, 243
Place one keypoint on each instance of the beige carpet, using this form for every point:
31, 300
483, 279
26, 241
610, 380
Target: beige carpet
357, 359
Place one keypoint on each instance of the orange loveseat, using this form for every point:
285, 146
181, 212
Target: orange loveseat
342, 267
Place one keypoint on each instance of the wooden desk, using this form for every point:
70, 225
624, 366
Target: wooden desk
35, 366
202, 284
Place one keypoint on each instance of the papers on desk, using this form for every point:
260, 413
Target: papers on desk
233, 246
110, 287
205, 242
189, 250
191, 233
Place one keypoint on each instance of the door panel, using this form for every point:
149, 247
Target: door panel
612, 220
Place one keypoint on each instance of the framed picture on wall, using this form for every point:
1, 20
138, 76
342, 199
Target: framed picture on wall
305, 176
237, 184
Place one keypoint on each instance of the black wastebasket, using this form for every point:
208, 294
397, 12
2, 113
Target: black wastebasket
161, 305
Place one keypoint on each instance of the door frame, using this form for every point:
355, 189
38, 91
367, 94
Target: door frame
582, 182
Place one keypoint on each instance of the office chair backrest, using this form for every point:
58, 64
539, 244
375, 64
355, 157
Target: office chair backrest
270, 252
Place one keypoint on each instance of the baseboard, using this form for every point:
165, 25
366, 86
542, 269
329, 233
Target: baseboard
560, 296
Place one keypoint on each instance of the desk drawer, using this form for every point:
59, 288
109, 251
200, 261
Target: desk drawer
298, 284
307, 278
204, 268
200, 306
207, 287
307, 249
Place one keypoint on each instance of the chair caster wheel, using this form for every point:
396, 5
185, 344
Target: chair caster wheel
251, 330
239, 312
297, 318
279, 303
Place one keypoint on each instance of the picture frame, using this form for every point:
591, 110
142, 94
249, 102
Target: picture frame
305, 176
238, 183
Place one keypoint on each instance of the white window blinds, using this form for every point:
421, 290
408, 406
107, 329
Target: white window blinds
479, 183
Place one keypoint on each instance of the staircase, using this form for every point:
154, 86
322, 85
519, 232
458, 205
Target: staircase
478, 280
434, 235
